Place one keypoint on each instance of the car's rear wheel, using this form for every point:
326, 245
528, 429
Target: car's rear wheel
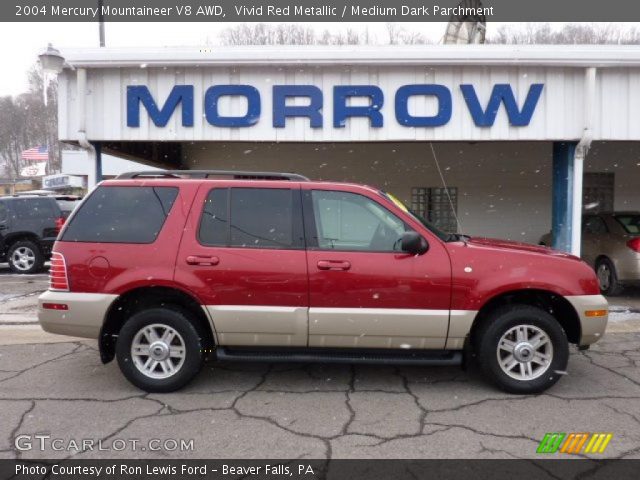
25, 256
522, 349
608, 277
159, 350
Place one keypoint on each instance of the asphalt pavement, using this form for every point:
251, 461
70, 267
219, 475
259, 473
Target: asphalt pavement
59, 401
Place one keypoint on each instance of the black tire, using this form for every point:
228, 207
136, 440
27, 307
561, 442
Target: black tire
188, 335
611, 287
18, 262
536, 320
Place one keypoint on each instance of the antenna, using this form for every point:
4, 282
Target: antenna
446, 188
464, 28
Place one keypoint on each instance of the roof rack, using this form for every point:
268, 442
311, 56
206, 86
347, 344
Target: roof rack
235, 174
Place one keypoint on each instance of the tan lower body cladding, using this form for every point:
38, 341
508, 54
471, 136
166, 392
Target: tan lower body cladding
340, 327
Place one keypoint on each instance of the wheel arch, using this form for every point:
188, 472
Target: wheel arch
556, 305
14, 237
142, 298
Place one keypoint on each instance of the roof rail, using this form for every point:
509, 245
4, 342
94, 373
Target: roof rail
235, 174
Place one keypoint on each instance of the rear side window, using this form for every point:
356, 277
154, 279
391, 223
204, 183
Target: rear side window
259, 218
631, 223
35, 208
122, 215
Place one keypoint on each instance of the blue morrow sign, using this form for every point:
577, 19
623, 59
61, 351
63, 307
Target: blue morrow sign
483, 113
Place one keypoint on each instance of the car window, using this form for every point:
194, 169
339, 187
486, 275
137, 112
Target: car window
259, 218
631, 223
348, 221
3, 212
214, 225
34, 208
594, 225
121, 215
67, 206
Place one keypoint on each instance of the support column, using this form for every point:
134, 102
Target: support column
563, 222
98, 148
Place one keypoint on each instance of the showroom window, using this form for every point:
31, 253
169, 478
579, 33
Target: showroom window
434, 205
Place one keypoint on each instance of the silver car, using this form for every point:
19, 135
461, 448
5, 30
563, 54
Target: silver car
611, 245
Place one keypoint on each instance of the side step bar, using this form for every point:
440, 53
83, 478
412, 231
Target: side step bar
431, 358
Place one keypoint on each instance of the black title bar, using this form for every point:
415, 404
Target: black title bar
317, 10
289, 469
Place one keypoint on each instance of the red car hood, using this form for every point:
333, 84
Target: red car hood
509, 245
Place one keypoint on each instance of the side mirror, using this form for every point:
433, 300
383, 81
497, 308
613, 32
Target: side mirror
413, 243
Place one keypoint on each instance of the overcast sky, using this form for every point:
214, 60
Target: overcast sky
20, 43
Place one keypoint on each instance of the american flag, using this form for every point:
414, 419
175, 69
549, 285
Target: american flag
35, 154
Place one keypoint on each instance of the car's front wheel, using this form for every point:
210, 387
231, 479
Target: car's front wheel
159, 349
522, 349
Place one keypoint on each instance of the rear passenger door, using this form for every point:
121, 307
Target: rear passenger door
243, 255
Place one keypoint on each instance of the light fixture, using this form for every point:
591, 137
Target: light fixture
51, 61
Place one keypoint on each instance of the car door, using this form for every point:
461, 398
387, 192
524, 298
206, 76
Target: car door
243, 255
593, 233
4, 222
363, 291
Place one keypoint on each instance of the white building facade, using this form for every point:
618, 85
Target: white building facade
507, 131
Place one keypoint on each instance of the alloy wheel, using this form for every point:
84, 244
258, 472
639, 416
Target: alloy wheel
604, 276
23, 258
525, 352
158, 351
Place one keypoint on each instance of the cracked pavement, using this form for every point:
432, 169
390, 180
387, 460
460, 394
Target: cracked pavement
56, 386
253, 410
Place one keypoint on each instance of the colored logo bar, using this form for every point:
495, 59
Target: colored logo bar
574, 443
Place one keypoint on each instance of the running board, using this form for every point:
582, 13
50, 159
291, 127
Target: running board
426, 357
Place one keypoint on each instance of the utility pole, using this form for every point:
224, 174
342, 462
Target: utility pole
101, 23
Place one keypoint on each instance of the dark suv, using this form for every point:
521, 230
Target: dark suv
28, 227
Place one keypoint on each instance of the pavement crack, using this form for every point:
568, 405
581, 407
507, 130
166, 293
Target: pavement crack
423, 411
609, 369
50, 360
14, 432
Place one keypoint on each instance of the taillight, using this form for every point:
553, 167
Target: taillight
59, 224
58, 273
634, 244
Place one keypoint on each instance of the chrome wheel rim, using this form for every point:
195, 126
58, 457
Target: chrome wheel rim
604, 276
158, 351
525, 352
23, 258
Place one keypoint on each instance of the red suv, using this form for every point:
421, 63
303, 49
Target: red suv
164, 267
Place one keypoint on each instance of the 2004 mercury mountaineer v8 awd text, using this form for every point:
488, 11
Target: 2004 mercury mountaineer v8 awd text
164, 267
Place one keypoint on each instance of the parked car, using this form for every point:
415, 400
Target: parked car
67, 203
164, 267
28, 227
611, 245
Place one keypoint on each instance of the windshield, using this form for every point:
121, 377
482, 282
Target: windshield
631, 223
444, 236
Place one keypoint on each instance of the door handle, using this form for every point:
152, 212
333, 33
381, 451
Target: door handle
202, 260
333, 265
3, 227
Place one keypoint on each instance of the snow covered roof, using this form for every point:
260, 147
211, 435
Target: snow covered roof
489, 55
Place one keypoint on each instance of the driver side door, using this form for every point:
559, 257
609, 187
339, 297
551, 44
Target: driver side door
364, 291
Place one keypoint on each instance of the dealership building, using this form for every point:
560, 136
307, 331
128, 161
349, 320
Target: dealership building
509, 141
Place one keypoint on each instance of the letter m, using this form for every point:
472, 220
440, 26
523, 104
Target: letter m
502, 93
139, 94
550, 443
